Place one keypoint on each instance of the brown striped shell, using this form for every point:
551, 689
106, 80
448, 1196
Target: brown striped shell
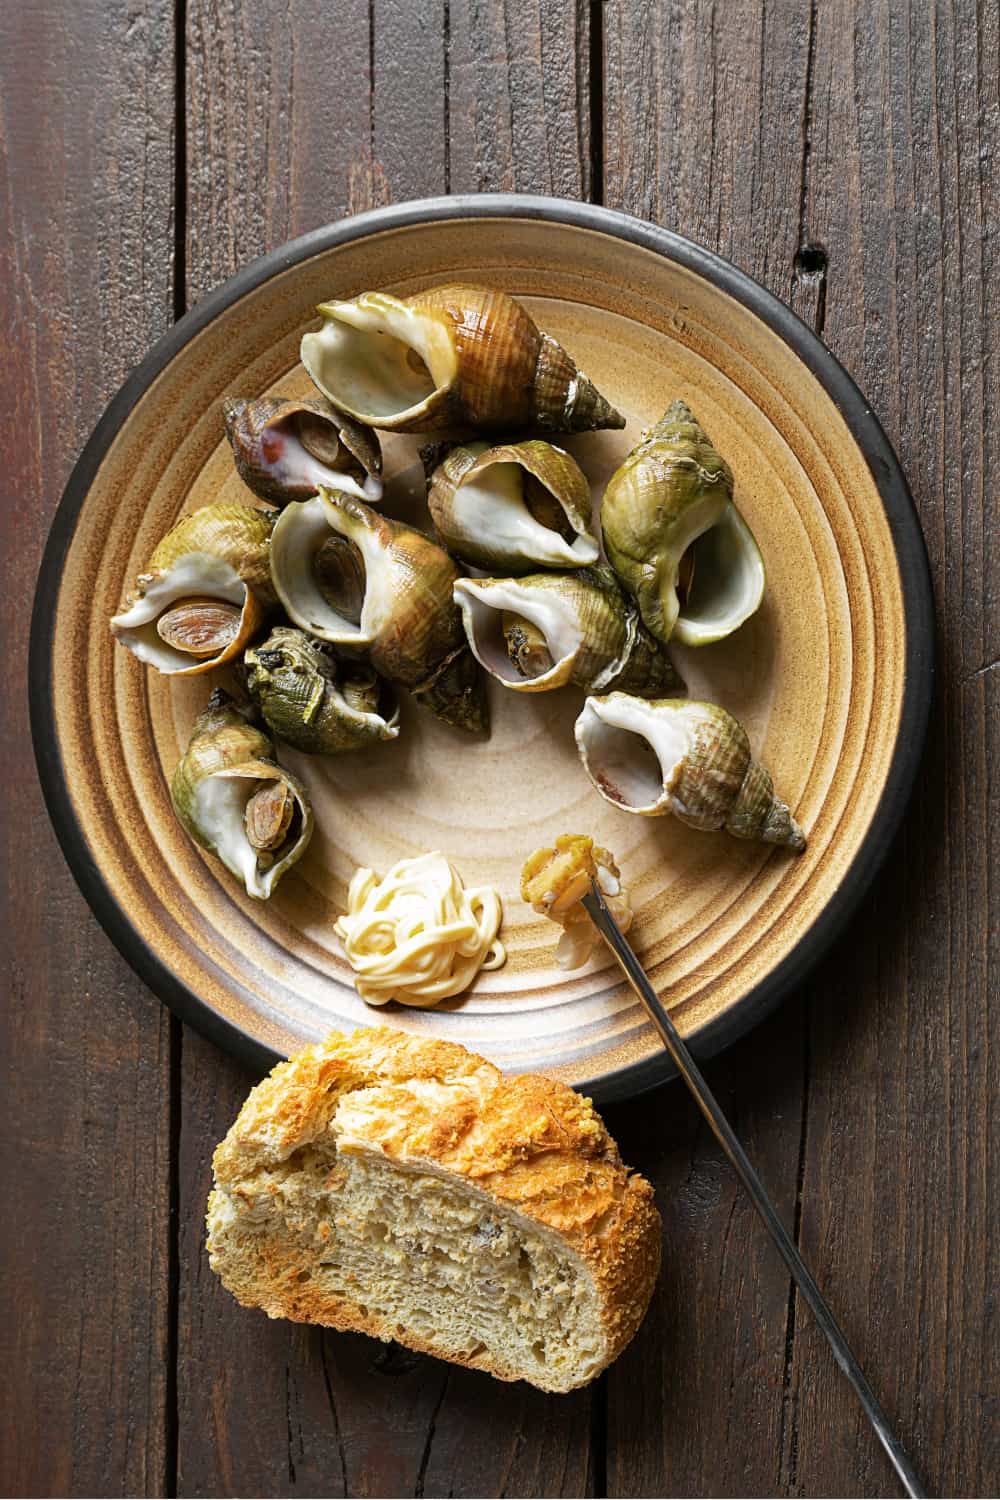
513, 508
284, 450
455, 357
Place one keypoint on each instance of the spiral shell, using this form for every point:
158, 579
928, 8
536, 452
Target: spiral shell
515, 508
204, 593
452, 357
686, 758
673, 493
407, 623
284, 450
547, 629
235, 801
314, 702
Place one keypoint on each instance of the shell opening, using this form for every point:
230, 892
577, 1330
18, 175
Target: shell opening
631, 755
518, 517
484, 603
328, 591
365, 693
314, 453
225, 806
341, 577
378, 359
726, 584
197, 575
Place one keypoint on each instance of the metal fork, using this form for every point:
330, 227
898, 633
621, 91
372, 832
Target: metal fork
720, 1127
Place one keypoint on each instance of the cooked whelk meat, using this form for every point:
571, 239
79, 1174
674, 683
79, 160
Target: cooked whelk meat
340, 577
452, 357
554, 882
268, 817
686, 758
200, 627
527, 646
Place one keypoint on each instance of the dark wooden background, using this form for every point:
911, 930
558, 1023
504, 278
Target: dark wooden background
844, 153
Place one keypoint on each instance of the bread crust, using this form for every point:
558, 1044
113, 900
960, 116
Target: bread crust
531, 1143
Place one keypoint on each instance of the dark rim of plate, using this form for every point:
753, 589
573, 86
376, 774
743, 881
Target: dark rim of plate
889, 479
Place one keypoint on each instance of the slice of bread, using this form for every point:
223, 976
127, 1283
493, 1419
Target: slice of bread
404, 1188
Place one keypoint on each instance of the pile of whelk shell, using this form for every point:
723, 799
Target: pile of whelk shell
372, 605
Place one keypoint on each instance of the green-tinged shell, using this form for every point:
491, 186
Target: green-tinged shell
219, 553
408, 623
674, 492
227, 768
513, 508
455, 356
547, 629
312, 701
690, 759
284, 450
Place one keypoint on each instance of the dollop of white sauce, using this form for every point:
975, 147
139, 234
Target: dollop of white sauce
418, 935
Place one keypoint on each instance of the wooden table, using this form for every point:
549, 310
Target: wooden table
844, 153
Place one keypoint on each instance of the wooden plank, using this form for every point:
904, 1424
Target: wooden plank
329, 112
902, 190
703, 119
86, 123
519, 97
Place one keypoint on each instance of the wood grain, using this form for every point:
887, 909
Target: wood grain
703, 132
85, 287
886, 249
342, 112
846, 155
902, 190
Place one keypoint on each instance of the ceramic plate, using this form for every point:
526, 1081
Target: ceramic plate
831, 677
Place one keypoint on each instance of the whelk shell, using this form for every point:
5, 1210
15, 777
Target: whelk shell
204, 593
407, 624
515, 507
455, 356
314, 702
544, 630
284, 450
686, 758
234, 800
674, 493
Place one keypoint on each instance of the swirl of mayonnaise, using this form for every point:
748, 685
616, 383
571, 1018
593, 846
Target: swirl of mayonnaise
417, 935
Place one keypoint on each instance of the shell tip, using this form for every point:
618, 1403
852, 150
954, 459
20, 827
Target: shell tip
233, 408
592, 411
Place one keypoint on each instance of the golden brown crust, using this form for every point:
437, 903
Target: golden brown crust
530, 1142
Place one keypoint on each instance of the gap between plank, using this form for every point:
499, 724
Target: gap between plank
790, 1321
180, 159
176, 1031
172, 1410
810, 266
597, 101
